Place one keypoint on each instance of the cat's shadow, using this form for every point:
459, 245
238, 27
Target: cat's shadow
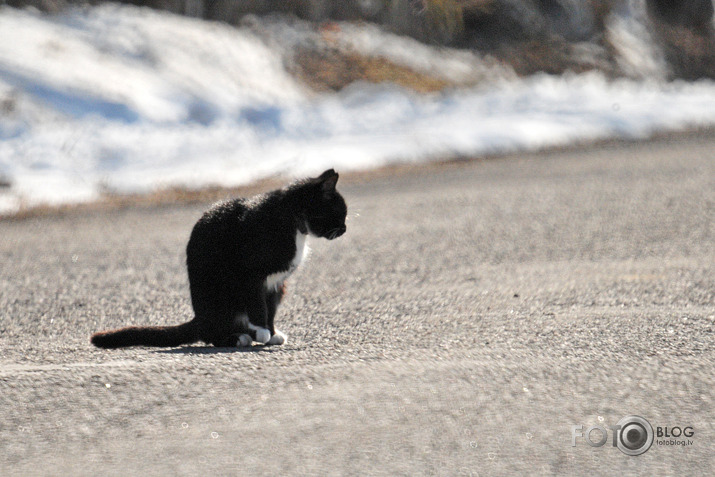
217, 350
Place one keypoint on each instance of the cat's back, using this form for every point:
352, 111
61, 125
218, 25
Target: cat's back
224, 213
222, 221
235, 224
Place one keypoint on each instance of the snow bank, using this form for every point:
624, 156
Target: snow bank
129, 100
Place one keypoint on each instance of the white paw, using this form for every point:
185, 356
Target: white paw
245, 340
278, 339
263, 335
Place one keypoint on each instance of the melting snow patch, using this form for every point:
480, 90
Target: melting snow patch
129, 100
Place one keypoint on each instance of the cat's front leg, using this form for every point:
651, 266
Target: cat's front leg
273, 299
278, 338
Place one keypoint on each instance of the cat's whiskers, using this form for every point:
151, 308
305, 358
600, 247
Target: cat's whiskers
334, 233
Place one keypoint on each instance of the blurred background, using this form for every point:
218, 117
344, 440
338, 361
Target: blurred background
167, 97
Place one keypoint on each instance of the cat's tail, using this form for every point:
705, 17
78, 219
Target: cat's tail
165, 336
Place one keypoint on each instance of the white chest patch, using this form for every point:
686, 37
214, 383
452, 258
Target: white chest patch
275, 280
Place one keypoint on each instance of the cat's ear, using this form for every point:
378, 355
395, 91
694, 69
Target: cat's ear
328, 180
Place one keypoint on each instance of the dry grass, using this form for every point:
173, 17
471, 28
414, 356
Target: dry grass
333, 70
553, 56
689, 52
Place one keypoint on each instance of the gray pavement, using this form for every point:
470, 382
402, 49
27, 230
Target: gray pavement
471, 315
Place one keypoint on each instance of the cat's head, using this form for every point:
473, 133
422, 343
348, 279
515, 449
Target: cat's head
325, 209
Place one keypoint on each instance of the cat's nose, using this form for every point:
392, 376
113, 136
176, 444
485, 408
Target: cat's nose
340, 231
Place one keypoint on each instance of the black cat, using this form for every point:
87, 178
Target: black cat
238, 257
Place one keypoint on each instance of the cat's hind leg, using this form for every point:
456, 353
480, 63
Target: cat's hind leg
262, 334
231, 332
257, 313
219, 328
242, 340
245, 330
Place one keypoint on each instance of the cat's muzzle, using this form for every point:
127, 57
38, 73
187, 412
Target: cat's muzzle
335, 233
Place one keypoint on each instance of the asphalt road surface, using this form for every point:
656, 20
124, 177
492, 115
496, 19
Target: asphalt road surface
469, 318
